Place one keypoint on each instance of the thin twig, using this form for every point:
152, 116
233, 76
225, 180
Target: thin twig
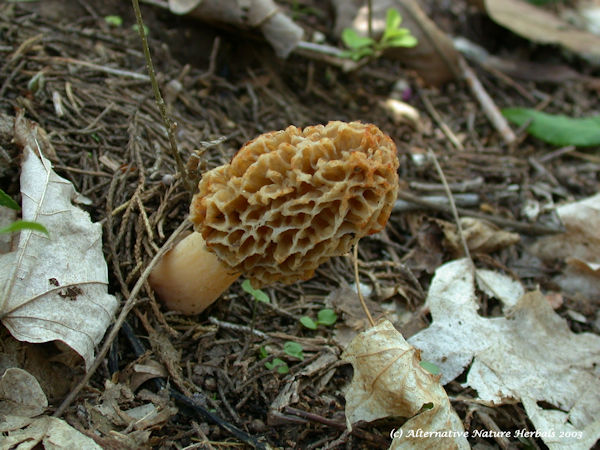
438, 119
89, 65
169, 124
452, 204
527, 228
237, 328
489, 107
129, 304
357, 280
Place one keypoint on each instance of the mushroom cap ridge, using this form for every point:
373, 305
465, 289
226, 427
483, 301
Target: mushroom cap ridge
291, 199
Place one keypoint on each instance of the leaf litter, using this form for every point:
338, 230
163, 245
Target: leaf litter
54, 283
108, 140
528, 354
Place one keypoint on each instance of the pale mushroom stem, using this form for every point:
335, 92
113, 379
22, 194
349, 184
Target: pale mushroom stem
189, 278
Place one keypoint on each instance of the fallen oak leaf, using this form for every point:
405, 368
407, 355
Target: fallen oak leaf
390, 381
54, 288
530, 354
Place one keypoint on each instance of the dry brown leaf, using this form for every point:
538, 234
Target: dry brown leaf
529, 355
578, 247
54, 378
389, 381
21, 394
544, 27
21, 400
481, 236
54, 288
434, 57
49, 433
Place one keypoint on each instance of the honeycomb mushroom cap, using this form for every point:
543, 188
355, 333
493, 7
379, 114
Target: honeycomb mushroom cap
291, 199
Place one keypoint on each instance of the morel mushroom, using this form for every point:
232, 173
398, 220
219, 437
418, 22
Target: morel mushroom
286, 202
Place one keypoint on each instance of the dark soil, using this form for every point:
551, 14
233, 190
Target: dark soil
110, 143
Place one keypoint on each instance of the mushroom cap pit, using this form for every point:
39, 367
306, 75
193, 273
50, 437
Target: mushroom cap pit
291, 199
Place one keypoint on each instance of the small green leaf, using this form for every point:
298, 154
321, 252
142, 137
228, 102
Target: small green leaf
308, 322
353, 40
402, 41
262, 352
557, 130
326, 317
114, 21
430, 367
278, 364
358, 53
398, 32
258, 294
24, 225
294, 349
6, 200
392, 20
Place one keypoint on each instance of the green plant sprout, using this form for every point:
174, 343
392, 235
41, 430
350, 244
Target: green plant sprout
393, 36
294, 350
262, 352
18, 225
258, 294
325, 317
279, 365
114, 21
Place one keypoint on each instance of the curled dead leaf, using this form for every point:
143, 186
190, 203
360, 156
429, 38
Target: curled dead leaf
481, 236
546, 361
390, 381
543, 26
55, 287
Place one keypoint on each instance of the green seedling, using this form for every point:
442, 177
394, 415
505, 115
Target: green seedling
294, 350
325, 317
276, 364
262, 352
393, 36
19, 225
114, 21
279, 365
258, 294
